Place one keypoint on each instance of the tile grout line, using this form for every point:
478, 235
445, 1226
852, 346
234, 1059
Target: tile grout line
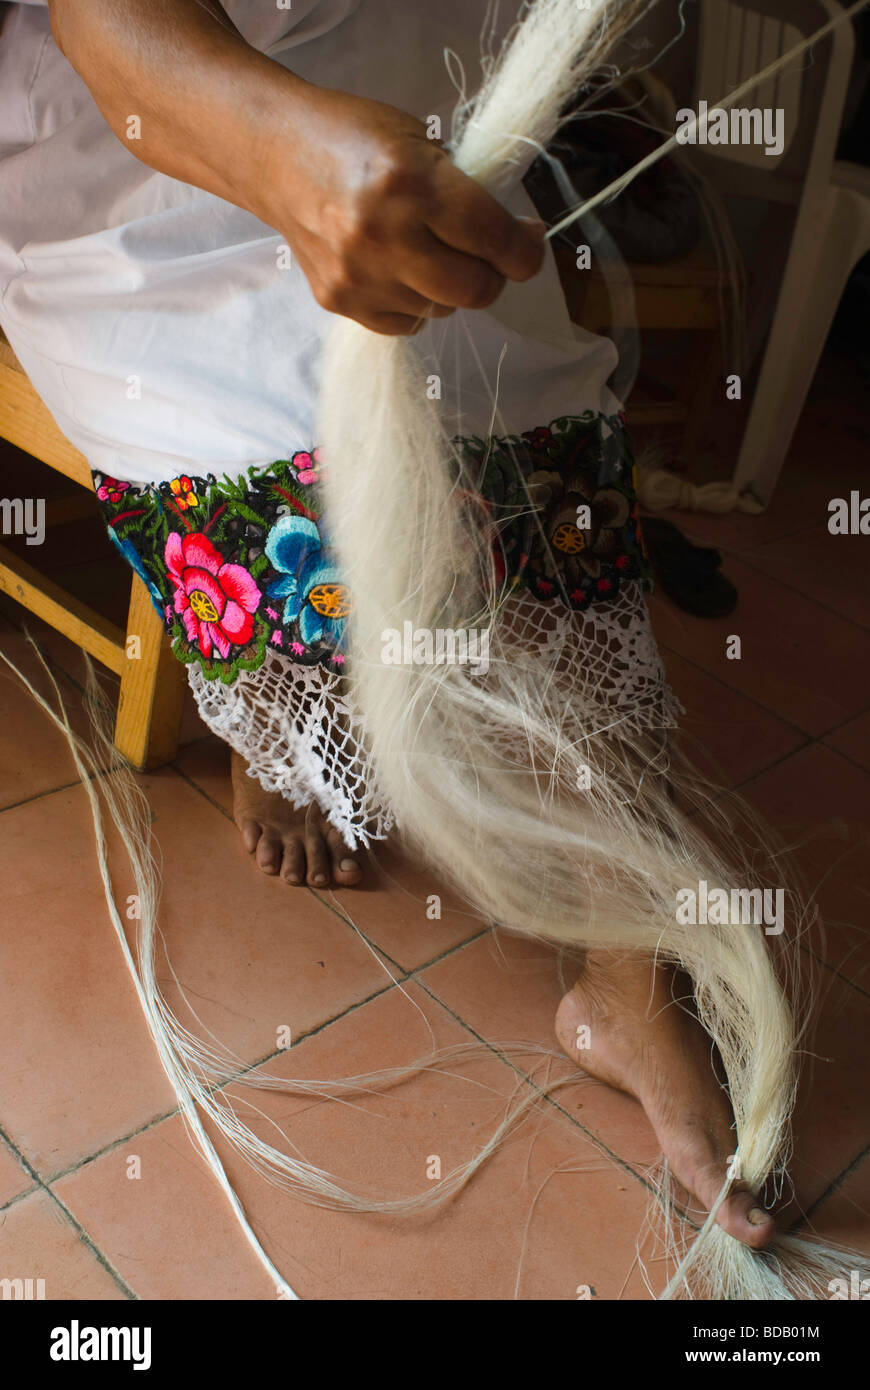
813, 742
249, 1067
39, 796
185, 777
835, 971
83, 1236
861, 627
835, 729
819, 739
240, 1074
777, 762
733, 690
338, 911
406, 972
589, 1134
830, 1191
231, 1079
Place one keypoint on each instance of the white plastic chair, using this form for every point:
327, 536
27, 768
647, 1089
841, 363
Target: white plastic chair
832, 227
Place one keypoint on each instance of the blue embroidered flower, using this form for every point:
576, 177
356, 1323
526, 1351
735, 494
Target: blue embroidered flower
131, 555
311, 588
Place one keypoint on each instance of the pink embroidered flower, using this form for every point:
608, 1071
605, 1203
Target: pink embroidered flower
337, 658
215, 600
271, 613
276, 639
110, 490
297, 648
305, 465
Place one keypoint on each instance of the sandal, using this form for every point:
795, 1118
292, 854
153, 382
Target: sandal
689, 574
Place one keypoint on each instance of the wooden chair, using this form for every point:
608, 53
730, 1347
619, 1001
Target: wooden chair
152, 683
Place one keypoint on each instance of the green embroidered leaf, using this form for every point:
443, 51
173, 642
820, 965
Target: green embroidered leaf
248, 658
242, 509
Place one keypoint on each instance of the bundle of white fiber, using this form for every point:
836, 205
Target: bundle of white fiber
510, 828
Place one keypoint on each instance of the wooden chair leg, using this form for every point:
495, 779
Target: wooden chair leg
153, 685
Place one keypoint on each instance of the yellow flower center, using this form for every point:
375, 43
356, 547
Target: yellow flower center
569, 539
330, 600
203, 607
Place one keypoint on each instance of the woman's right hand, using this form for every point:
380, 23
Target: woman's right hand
385, 227
383, 224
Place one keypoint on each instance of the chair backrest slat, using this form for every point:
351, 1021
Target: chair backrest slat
738, 39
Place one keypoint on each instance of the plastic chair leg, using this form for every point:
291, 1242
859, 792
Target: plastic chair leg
812, 287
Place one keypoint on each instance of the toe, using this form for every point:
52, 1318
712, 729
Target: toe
346, 871
269, 852
293, 863
317, 855
743, 1217
702, 1169
251, 832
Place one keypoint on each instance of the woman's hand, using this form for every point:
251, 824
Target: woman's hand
384, 225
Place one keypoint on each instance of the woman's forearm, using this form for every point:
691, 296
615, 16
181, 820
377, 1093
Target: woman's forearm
207, 103
385, 227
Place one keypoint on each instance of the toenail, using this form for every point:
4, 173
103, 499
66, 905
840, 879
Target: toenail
758, 1217
348, 865
320, 878
293, 878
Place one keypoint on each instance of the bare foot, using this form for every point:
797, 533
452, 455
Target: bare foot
299, 845
644, 1043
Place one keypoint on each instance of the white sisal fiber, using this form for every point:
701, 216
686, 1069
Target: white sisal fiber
480, 771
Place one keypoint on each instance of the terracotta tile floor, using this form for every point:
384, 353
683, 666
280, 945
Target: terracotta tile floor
560, 1205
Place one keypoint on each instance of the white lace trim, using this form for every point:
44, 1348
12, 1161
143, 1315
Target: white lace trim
301, 735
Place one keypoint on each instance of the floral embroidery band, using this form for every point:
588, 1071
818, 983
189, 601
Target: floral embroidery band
236, 565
